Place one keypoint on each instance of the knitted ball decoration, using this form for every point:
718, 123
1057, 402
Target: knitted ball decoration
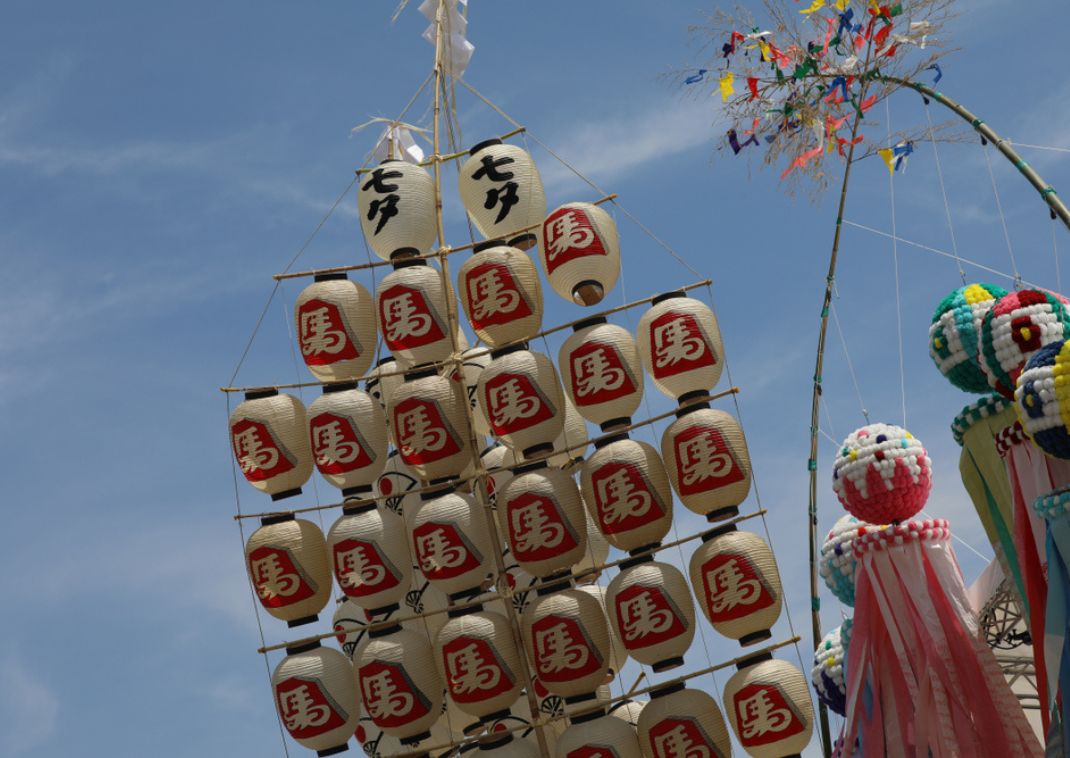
838, 562
1018, 325
1043, 398
955, 334
882, 474
828, 674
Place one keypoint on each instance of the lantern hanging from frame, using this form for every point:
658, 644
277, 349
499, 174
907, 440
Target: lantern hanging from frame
678, 720
288, 566
269, 436
316, 697
522, 399
347, 433
769, 707
396, 202
680, 345
652, 612
430, 423
370, 556
601, 372
501, 293
451, 544
580, 252
334, 320
412, 306
502, 191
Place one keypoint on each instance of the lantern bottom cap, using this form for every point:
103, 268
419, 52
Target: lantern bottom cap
588, 292
573, 699
303, 620
334, 750
722, 513
668, 663
414, 738
524, 242
276, 496
750, 639
666, 690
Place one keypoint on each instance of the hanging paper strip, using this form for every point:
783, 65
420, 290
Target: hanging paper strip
1055, 509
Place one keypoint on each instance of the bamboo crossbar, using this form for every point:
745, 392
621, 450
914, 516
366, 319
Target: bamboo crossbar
485, 351
526, 462
440, 253
448, 156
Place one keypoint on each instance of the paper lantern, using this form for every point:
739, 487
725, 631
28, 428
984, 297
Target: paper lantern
507, 746
628, 710
501, 189
598, 736
501, 293
567, 641
769, 708
589, 567
1019, 324
828, 675
370, 556
397, 208
652, 612
398, 488
542, 512
838, 563
735, 578
618, 654
627, 492
384, 379
521, 397
269, 436
316, 697
682, 722
1042, 394
882, 474
473, 361
497, 460
347, 431
451, 544
412, 304
399, 684
335, 326
680, 345
601, 372
479, 662
520, 582
706, 457
580, 252
288, 566
571, 445
548, 706
427, 413
955, 334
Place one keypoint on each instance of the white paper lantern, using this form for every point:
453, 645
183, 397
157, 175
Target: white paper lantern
520, 582
479, 662
451, 544
628, 711
498, 461
521, 397
567, 641
543, 516
598, 737
627, 492
430, 425
335, 326
501, 294
269, 436
473, 361
680, 344
412, 303
652, 613
706, 457
548, 705
571, 445
399, 684
501, 189
769, 707
397, 487
618, 654
397, 208
683, 722
580, 252
288, 566
370, 556
347, 431
316, 697
601, 372
589, 567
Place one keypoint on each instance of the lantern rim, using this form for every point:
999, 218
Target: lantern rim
588, 293
610, 439
259, 394
588, 322
668, 663
667, 690
730, 511
712, 534
750, 639
542, 447
277, 518
615, 423
331, 276
498, 352
524, 242
456, 613
303, 647
487, 245
415, 738
404, 257
754, 660
688, 410
561, 580
357, 508
302, 621
667, 296
333, 750
275, 496
342, 386
384, 631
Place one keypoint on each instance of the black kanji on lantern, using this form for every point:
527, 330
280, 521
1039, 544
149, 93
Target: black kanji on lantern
387, 207
490, 170
505, 195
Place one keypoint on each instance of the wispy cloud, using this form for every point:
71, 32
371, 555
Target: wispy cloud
29, 708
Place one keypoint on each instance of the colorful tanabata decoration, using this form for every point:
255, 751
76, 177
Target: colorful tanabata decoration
955, 335
502, 191
289, 569
1043, 397
1018, 325
396, 201
882, 474
269, 437
828, 674
838, 563
335, 325
316, 697
1054, 508
580, 252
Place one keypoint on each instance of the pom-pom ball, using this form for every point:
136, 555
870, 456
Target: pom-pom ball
1018, 325
882, 474
955, 334
1043, 398
838, 562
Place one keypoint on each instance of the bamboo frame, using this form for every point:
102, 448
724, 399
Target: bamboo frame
448, 156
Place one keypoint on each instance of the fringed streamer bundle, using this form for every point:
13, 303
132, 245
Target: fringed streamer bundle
1055, 509
920, 679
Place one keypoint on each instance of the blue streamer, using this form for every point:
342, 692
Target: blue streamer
695, 78
939, 73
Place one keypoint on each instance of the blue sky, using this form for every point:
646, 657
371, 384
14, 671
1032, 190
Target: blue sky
158, 162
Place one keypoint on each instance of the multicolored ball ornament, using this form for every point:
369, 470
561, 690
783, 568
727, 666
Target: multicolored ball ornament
1019, 324
828, 675
955, 334
882, 474
1043, 398
838, 562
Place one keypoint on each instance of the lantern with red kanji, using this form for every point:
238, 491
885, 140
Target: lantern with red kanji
580, 252
335, 326
682, 722
412, 307
567, 641
542, 512
430, 425
479, 662
501, 294
370, 556
652, 612
347, 431
316, 697
627, 492
618, 654
735, 578
602, 373
502, 191
706, 457
680, 343
399, 683
396, 201
769, 707
288, 566
451, 543
596, 735
269, 436
521, 397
